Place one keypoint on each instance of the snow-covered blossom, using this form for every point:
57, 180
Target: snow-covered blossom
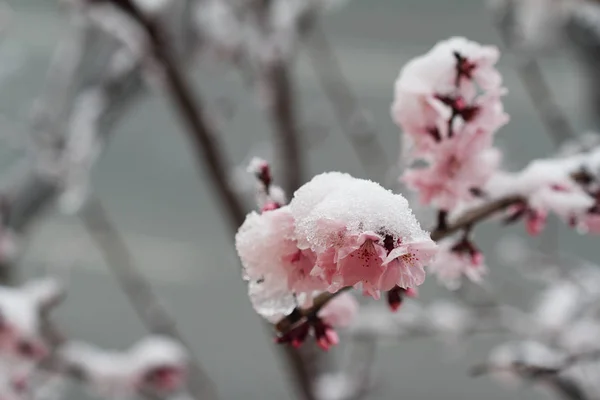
455, 260
20, 323
155, 363
337, 231
448, 104
549, 186
362, 234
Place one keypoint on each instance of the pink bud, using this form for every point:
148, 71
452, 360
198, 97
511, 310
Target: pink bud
477, 258
270, 206
536, 221
412, 292
332, 337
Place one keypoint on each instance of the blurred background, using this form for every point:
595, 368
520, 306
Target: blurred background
150, 185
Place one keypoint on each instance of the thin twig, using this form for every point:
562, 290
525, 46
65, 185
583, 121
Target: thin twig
352, 120
282, 109
202, 135
154, 316
552, 116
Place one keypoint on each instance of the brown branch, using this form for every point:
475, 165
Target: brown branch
285, 126
469, 219
202, 135
152, 314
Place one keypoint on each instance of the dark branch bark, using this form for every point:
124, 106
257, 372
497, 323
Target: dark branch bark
282, 109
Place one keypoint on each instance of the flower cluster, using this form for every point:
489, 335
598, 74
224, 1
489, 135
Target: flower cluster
337, 231
448, 105
155, 365
568, 187
22, 344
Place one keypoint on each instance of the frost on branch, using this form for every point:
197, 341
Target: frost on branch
338, 231
155, 365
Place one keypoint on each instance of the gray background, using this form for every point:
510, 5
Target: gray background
148, 181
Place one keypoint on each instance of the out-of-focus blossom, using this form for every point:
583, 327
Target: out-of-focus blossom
454, 261
341, 311
460, 164
20, 322
433, 89
448, 104
156, 363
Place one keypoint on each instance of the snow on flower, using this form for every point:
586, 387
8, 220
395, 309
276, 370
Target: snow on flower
337, 231
155, 363
20, 324
363, 235
448, 105
453, 261
550, 186
448, 71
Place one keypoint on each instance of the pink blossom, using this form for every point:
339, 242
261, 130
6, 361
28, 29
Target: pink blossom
267, 247
451, 263
435, 87
405, 265
353, 228
341, 311
459, 165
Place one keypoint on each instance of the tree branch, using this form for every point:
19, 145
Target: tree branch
154, 316
285, 125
